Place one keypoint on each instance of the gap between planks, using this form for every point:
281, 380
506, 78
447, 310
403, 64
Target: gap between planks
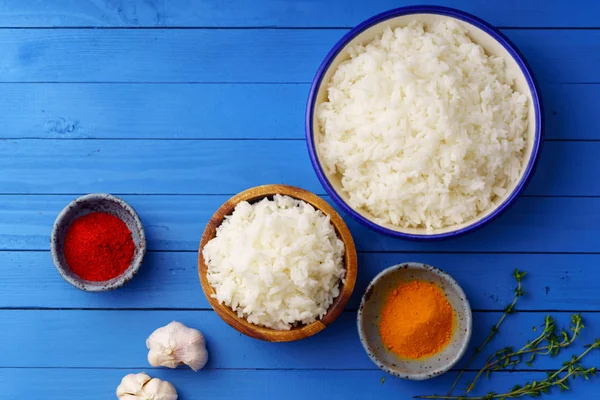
211, 139
541, 196
261, 369
348, 311
201, 83
358, 251
143, 368
266, 27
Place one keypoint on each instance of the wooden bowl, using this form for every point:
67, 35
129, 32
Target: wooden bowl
350, 263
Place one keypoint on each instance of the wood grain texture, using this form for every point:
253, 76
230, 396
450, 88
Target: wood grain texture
169, 280
225, 83
100, 384
256, 194
533, 224
218, 111
276, 13
238, 55
224, 167
174, 111
72, 339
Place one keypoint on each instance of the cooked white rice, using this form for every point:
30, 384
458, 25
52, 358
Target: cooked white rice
423, 127
276, 263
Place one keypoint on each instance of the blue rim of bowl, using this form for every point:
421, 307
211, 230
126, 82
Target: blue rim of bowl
453, 283
448, 12
116, 282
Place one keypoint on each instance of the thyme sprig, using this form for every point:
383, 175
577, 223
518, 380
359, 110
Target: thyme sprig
571, 369
509, 309
547, 343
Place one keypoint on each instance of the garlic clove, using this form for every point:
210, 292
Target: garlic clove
191, 348
162, 390
176, 344
142, 387
132, 384
161, 357
161, 344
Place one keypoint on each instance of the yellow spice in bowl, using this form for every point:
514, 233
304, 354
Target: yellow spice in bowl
416, 320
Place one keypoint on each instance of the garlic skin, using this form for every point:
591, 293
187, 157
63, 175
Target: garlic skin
176, 344
142, 387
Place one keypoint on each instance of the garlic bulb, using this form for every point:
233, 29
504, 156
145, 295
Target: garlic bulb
142, 387
176, 344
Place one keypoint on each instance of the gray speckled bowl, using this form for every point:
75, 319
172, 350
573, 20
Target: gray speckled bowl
369, 314
98, 202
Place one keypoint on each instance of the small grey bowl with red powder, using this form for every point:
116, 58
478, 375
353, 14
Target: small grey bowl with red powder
97, 203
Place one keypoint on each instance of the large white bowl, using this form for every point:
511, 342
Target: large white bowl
494, 43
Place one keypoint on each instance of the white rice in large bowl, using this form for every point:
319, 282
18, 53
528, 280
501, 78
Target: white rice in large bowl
423, 127
277, 263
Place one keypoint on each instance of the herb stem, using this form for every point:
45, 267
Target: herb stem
508, 310
536, 389
532, 347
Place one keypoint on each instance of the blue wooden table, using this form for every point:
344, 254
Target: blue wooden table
175, 105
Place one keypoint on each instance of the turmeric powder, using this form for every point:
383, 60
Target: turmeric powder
416, 320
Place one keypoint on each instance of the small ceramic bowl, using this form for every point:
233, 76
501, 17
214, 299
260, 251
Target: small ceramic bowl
350, 264
482, 33
369, 318
98, 202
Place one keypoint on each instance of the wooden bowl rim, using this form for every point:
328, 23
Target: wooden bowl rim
350, 264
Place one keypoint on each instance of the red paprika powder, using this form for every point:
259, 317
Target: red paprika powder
98, 247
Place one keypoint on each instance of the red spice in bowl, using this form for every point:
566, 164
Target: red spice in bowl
106, 243
98, 247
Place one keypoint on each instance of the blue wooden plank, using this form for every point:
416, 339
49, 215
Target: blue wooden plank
238, 55
569, 111
100, 384
307, 13
224, 166
173, 111
153, 111
116, 339
145, 166
170, 280
546, 225
84, 339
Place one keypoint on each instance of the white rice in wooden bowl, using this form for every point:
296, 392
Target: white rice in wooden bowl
424, 129
278, 263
